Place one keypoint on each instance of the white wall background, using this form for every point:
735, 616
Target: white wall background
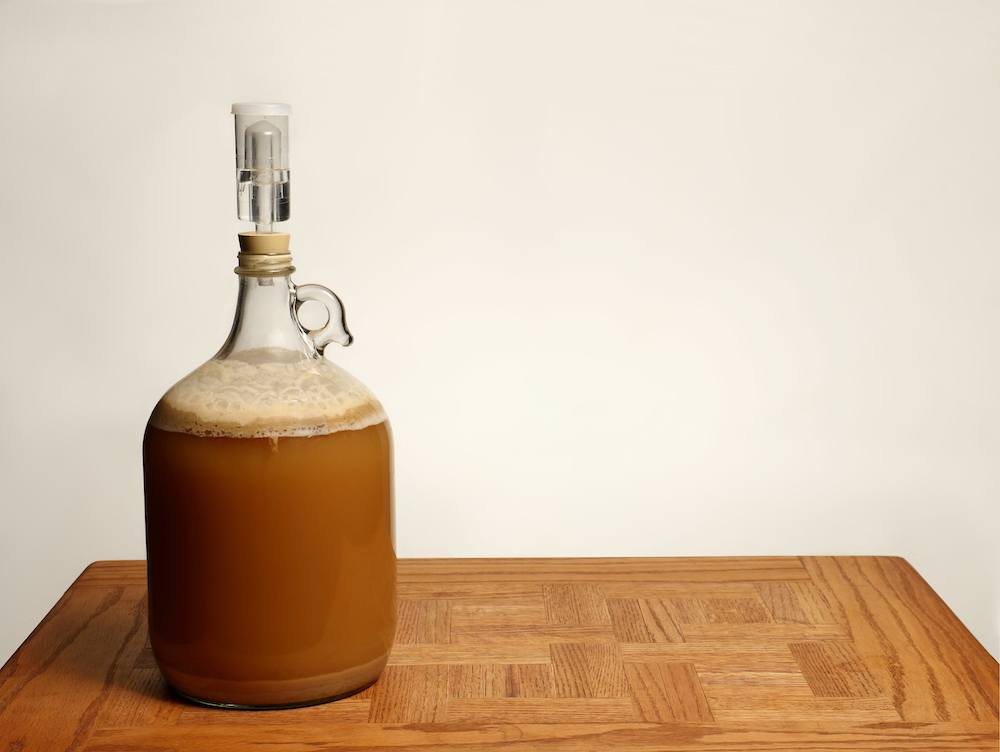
638, 278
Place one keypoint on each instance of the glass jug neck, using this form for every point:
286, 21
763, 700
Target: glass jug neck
265, 319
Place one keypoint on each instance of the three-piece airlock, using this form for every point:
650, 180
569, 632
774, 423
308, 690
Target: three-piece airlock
262, 173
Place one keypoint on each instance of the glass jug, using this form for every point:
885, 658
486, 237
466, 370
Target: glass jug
269, 508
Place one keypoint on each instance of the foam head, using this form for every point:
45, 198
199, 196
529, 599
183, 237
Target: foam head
261, 394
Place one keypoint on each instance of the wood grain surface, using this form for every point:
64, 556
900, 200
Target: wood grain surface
723, 654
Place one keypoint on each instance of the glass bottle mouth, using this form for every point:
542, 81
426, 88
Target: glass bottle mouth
264, 254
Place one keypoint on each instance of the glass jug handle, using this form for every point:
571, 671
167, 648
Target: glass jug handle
335, 329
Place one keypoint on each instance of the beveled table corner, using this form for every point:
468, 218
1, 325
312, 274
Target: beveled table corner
786, 653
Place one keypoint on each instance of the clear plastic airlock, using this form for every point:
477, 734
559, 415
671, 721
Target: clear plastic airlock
262, 174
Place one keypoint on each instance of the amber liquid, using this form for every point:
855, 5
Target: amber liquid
271, 564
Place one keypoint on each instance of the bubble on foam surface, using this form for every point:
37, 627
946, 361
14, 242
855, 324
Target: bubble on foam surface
260, 395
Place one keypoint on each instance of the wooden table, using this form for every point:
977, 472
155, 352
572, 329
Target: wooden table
572, 654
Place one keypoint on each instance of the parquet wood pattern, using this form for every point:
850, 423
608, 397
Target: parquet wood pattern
724, 654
